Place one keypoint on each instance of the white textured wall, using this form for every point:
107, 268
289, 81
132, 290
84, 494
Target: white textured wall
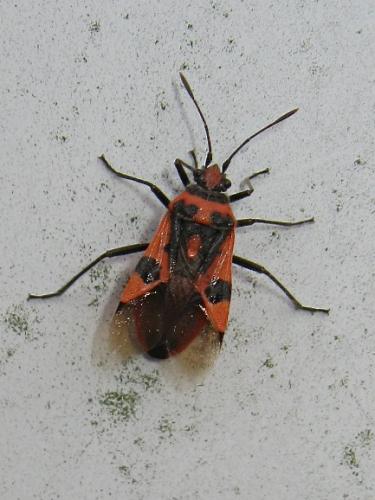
287, 411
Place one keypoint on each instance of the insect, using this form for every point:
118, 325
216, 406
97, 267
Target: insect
181, 286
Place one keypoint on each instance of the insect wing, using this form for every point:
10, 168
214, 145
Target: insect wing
215, 285
166, 313
152, 270
153, 267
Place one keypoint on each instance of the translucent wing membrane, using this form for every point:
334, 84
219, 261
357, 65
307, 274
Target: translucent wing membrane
161, 328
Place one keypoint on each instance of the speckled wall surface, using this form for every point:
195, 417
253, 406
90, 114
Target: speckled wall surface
286, 412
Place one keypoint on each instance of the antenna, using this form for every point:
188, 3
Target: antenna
190, 92
283, 117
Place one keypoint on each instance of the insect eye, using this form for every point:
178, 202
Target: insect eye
198, 174
227, 184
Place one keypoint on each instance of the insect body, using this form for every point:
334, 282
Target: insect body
181, 286
183, 281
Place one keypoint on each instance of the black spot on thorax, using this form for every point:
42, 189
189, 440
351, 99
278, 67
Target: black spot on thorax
221, 220
185, 209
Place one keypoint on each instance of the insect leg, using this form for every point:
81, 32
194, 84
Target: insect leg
240, 195
261, 172
247, 192
180, 165
157, 192
194, 156
253, 266
250, 222
139, 247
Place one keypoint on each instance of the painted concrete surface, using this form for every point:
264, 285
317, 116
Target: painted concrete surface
286, 411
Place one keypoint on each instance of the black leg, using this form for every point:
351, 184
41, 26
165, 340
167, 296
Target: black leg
247, 192
139, 247
253, 266
240, 195
194, 156
157, 192
261, 172
250, 222
179, 164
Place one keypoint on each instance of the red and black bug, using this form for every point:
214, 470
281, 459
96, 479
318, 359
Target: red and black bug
181, 286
